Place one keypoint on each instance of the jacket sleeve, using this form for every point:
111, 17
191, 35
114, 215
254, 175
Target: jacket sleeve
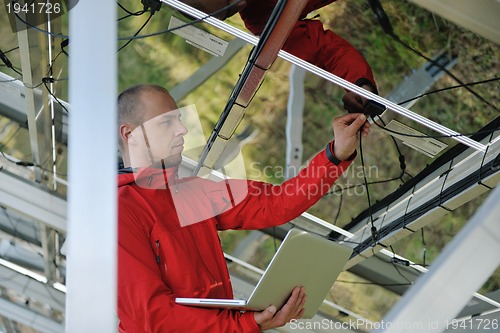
309, 41
327, 50
146, 304
267, 205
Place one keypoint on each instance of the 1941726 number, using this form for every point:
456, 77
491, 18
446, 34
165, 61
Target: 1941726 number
27, 14
33, 7
474, 323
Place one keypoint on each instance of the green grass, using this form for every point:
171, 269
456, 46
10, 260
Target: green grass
167, 60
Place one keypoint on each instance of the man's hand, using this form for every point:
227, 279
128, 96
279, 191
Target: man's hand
293, 309
346, 130
354, 103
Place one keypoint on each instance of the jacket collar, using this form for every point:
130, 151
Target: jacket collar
155, 176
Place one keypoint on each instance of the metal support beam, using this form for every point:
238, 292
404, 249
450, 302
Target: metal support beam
13, 106
31, 288
32, 200
479, 16
29, 318
451, 185
20, 227
92, 215
48, 237
207, 70
33, 48
294, 120
463, 266
421, 80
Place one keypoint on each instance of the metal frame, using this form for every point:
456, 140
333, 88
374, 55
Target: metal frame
477, 244
482, 15
294, 120
51, 211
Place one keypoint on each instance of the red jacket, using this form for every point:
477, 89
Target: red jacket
161, 257
310, 42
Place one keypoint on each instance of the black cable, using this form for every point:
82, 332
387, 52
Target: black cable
138, 13
46, 80
7, 63
29, 164
401, 157
341, 190
385, 23
12, 49
64, 43
22, 163
435, 63
3, 144
49, 71
14, 226
424, 247
38, 29
184, 25
32, 87
338, 210
125, 17
138, 31
443, 196
130, 14
449, 88
395, 260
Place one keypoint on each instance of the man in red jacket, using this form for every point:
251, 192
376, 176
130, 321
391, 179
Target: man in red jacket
168, 243
308, 40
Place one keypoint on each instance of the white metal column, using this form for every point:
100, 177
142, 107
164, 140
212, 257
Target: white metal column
465, 263
92, 223
294, 120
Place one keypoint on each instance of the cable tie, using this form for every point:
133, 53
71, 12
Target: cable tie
48, 79
402, 163
400, 261
25, 163
375, 234
5, 60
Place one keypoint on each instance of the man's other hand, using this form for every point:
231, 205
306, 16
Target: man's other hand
354, 103
293, 309
346, 130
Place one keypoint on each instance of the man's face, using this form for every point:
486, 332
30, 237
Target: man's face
160, 136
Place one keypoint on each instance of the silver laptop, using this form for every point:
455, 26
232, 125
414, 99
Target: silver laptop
303, 259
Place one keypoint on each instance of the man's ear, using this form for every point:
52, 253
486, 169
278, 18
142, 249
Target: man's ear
126, 133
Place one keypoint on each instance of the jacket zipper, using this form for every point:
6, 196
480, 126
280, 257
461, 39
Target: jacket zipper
157, 251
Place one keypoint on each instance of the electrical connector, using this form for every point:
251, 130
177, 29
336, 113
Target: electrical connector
400, 261
374, 234
373, 109
151, 5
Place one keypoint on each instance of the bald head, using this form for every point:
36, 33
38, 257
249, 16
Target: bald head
149, 126
130, 103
